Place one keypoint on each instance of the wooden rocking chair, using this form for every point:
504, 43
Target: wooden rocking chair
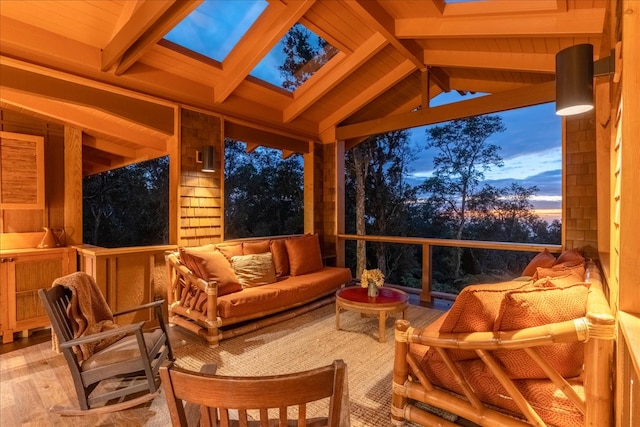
218, 397
128, 367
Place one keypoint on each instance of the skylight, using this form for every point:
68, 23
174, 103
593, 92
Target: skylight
307, 54
216, 26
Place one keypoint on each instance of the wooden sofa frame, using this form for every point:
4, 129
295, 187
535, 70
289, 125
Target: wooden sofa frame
181, 281
596, 329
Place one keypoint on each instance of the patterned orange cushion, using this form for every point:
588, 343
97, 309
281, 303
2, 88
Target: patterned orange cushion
560, 270
570, 257
304, 254
525, 308
475, 310
543, 259
211, 265
557, 281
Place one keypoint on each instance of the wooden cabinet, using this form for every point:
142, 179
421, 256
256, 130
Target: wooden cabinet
21, 171
22, 273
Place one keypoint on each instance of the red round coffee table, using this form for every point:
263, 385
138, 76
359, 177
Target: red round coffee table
388, 301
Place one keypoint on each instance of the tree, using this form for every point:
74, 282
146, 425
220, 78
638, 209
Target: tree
263, 193
463, 158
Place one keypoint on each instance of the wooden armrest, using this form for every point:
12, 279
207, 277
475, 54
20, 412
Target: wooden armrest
102, 335
153, 304
567, 331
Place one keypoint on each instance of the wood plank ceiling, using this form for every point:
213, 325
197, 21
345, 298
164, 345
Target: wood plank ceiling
395, 55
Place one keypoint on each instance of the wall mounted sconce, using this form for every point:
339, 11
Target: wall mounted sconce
208, 159
575, 70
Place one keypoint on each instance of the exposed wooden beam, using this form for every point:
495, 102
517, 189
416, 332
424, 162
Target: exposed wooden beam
263, 35
355, 103
440, 78
251, 147
501, 101
138, 23
82, 118
109, 147
378, 18
252, 135
573, 23
469, 8
529, 62
329, 77
286, 154
157, 29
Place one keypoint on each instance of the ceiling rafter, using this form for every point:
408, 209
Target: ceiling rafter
530, 62
156, 30
263, 35
573, 23
108, 146
355, 103
146, 14
485, 8
85, 118
521, 97
329, 76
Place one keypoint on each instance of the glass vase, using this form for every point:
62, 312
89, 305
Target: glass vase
372, 290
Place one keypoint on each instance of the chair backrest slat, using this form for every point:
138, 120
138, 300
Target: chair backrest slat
294, 391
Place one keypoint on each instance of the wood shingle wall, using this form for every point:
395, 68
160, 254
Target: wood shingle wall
201, 193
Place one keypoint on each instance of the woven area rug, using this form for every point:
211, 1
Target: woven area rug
309, 341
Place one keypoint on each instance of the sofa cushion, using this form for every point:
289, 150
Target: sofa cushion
211, 265
525, 308
560, 270
259, 247
254, 269
283, 294
570, 257
543, 259
475, 310
558, 281
280, 257
229, 250
304, 254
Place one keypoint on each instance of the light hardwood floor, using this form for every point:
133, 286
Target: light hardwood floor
33, 378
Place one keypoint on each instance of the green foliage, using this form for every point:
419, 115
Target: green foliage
127, 206
264, 194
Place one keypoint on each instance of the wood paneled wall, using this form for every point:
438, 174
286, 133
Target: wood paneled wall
201, 217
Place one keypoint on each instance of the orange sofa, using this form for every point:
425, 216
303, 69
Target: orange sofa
533, 351
215, 289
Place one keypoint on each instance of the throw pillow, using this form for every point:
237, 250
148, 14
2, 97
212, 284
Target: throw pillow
260, 247
229, 250
254, 269
570, 257
560, 270
304, 254
280, 257
475, 310
530, 307
543, 259
211, 265
558, 281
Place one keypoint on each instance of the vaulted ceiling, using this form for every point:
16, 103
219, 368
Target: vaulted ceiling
105, 67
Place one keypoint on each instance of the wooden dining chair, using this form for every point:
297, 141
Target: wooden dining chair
263, 401
122, 375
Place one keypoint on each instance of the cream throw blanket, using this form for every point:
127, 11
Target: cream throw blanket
88, 313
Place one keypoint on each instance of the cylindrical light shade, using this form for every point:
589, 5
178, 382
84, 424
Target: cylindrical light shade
208, 159
574, 80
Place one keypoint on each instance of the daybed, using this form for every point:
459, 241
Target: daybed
245, 283
533, 351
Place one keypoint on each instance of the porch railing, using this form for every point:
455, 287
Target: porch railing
426, 293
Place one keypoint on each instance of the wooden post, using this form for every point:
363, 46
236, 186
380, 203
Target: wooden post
73, 185
339, 201
425, 296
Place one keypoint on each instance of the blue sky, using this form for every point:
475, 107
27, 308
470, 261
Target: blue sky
531, 144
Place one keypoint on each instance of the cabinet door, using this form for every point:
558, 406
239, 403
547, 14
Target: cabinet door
26, 274
21, 171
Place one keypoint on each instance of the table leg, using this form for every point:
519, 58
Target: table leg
337, 317
382, 333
